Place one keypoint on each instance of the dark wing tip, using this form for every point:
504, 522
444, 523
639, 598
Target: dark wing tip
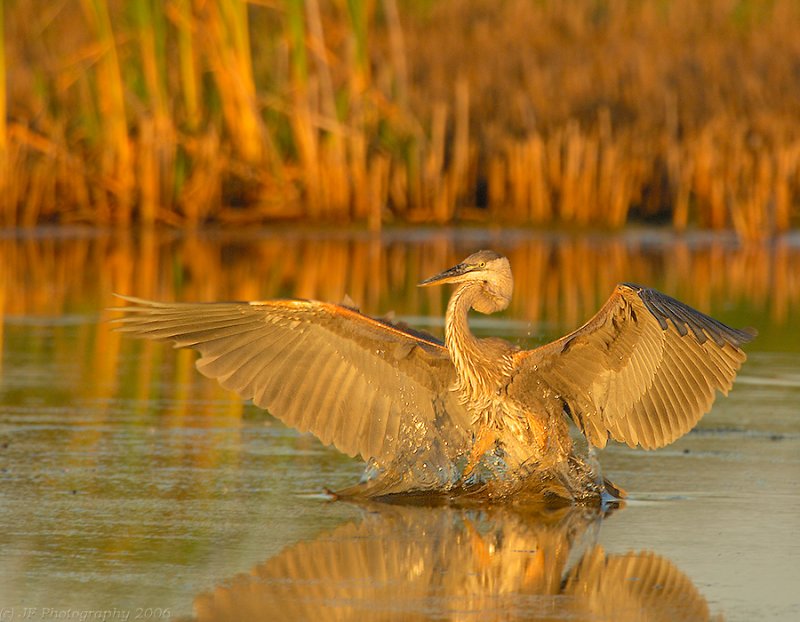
750, 333
685, 318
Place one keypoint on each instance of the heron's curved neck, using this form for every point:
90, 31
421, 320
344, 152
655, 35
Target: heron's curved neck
462, 344
456, 324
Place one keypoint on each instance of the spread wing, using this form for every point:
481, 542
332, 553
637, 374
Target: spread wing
643, 370
633, 586
367, 386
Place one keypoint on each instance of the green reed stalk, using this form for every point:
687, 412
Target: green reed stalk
152, 37
357, 10
224, 27
295, 21
234, 12
111, 106
398, 52
187, 56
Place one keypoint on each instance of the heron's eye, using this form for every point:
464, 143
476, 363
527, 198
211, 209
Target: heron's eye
482, 264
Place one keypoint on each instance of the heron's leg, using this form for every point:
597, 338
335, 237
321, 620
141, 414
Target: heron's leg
483, 442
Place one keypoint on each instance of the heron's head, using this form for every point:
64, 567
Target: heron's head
488, 271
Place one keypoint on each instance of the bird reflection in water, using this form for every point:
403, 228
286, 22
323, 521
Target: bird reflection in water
467, 416
409, 563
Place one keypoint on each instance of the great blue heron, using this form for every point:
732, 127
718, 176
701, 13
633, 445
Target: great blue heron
468, 414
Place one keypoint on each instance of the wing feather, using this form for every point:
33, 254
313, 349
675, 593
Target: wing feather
299, 380
394, 430
647, 436
643, 370
325, 373
674, 384
223, 366
239, 349
337, 426
375, 427
365, 385
246, 380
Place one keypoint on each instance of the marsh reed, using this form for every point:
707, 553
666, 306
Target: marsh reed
190, 112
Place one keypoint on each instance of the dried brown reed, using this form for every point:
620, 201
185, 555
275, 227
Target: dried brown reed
585, 113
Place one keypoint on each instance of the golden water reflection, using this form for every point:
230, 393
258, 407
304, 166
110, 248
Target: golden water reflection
560, 278
417, 563
560, 281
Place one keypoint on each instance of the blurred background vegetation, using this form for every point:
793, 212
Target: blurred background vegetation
586, 113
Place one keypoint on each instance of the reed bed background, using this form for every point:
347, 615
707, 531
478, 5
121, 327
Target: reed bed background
588, 113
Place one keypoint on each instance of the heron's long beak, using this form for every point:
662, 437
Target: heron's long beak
448, 276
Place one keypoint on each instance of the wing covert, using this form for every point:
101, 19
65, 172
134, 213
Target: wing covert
643, 370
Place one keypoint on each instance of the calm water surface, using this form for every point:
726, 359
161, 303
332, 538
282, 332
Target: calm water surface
131, 484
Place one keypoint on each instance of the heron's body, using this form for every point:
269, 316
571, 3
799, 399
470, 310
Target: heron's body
472, 416
484, 371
